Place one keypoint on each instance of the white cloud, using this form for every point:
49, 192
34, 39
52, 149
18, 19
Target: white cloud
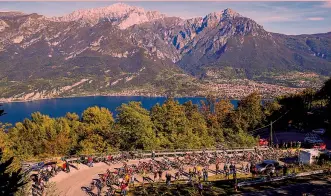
274, 19
315, 18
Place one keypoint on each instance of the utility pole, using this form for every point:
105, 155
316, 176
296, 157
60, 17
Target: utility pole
271, 134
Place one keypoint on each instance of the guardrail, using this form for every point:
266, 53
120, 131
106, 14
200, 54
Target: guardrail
146, 154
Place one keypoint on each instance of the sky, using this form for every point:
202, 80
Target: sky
280, 17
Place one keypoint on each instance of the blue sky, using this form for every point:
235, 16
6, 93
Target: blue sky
280, 17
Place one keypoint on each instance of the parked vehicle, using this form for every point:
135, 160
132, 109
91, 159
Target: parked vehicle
267, 165
37, 166
319, 131
319, 146
263, 142
316, 144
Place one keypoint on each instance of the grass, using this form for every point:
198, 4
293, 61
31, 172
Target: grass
218, 185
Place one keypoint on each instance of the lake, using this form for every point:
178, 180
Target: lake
17, 111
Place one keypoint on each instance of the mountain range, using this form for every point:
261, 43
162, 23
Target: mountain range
125, 50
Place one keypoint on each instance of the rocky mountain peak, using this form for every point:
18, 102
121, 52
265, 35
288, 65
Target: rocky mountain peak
228, 12
119, 14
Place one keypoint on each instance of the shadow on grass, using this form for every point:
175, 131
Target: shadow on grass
316, 185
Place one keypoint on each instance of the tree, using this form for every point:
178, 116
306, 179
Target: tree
249, 113
223, 110
136, 127
96, 124
325, 93
169, 120
198, 127
10, 181
101, 118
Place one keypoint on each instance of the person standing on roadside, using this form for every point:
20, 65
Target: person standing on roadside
168, 179
123, 189
217, 167
234, 171
153, 155
90, 161
226, 170
160, 175
155, 175
285, 170
132, 179
67, 166
200, 188
205, 175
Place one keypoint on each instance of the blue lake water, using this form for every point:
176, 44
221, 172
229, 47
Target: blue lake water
17, 111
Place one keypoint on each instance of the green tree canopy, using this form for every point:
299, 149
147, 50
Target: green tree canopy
136, 127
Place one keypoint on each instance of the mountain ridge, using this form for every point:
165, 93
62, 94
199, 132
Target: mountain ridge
42, 57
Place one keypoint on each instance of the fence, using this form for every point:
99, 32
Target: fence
146, 154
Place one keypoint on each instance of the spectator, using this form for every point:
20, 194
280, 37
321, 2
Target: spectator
109, 158
272, 171
177, 175
227, 175
225, 167
253, 170
90, 161
231, 168
217, 168
248, 168
168, 179
199, 175
200, 188
160, 174
155, 175
132, 179
205, 175
67, 166
153, 155
285, 170
234, 172
144, 175
124, 189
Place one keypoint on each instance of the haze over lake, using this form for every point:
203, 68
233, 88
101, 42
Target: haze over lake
17, 111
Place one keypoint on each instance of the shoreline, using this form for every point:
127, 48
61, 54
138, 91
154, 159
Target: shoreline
82, 96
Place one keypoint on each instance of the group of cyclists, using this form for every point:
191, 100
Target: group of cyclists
42, 172
192, 167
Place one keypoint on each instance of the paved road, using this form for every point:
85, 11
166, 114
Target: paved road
68, 184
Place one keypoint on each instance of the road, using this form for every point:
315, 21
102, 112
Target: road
68, 184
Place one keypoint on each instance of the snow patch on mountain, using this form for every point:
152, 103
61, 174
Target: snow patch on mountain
18, 39
118, 14
3, 25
